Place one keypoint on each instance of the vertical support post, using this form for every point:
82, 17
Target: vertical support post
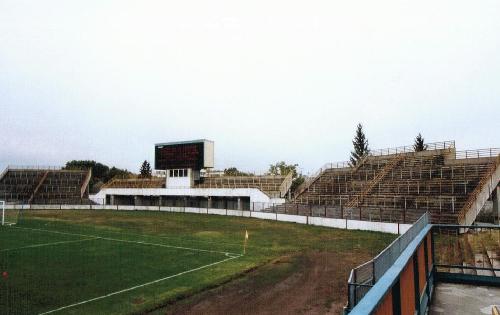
2, 203
396, 298
496, 203
416, 282
427, 277
341, 209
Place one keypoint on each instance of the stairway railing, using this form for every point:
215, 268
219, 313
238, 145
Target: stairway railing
477, 191
85, 183
40, 183
387, 168
286, 184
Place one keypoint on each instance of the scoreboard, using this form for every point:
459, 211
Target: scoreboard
197, 154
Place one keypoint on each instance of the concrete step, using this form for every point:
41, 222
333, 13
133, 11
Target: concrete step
482, 261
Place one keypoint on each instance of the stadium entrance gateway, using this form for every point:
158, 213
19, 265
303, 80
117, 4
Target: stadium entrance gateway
184, 177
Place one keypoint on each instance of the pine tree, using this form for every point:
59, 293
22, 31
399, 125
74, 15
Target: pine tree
419, 144
360, 146
145, 169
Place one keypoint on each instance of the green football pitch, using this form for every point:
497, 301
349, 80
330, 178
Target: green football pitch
104, 262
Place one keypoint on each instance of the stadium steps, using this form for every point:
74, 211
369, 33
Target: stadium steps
468, 256
379, 177
271, 185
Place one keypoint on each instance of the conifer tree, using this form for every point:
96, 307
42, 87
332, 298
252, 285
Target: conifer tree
419, 144
360, 146
145, 169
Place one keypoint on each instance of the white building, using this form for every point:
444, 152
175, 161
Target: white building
185, 181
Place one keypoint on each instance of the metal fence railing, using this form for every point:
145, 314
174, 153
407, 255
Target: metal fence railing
363, 277
467, 250
410, 148
34, 167
479, 153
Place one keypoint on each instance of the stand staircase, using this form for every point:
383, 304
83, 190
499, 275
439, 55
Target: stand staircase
358, 199
38, 187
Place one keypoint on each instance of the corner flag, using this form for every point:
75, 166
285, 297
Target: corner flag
245, 243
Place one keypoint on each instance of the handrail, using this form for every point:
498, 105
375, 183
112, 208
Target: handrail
472, 198
478, 153
286, 184
4, 172
443, 145
40, 183
86, 183
359, 197
386, 258
375, 296
34, 167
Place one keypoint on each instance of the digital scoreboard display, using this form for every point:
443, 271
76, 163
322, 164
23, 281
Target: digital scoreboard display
180, 155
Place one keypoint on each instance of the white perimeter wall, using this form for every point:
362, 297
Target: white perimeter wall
393, 228
254, 194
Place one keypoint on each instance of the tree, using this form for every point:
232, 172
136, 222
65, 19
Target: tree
297, 182
281, 168
419, 144
233, 171
145, 169
100, 173
360, 144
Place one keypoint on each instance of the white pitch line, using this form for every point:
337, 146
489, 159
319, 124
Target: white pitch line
48, 244
140, 286
134, 242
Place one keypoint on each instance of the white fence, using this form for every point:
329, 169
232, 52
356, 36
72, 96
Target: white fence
387, 227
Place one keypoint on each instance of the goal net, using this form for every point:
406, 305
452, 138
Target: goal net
10, 215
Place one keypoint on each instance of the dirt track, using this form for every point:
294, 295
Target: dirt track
312, 283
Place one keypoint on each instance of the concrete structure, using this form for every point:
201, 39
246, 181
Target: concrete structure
463, 299
184, 182
238, 198
496, 203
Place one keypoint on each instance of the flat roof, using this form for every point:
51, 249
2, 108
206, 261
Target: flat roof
183, 142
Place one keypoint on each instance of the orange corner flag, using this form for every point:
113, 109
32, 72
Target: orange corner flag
245, 243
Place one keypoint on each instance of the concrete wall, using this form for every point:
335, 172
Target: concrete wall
393, 228
482, 197
254, 194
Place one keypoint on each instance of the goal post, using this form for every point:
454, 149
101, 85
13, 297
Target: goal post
10, 216
2, 205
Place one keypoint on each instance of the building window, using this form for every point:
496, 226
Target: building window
178, 173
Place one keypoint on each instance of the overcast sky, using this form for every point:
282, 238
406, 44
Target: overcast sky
266, 80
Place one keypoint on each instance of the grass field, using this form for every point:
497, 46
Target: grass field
104, 262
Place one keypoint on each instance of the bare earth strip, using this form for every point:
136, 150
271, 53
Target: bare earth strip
311, 283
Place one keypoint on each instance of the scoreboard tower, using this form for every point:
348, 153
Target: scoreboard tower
183, 161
